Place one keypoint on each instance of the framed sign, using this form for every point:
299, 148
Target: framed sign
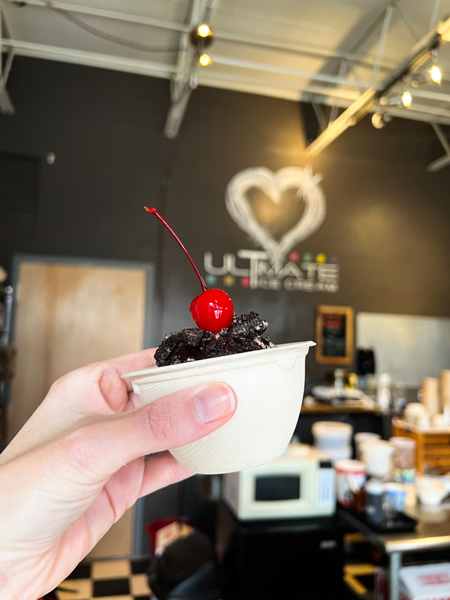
334, 335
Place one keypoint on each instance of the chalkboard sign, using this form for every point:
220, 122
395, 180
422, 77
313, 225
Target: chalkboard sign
334, 335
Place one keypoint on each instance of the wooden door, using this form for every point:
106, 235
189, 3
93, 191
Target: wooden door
69, 315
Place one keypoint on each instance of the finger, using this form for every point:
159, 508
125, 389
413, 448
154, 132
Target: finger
68, 402
160, 471
108, 376
134, 401
134, 481
134, 362
101, 446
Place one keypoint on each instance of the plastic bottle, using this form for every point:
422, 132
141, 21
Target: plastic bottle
374, 501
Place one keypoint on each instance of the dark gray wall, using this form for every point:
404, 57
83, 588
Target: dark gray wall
106, 132
387, 218
387, 221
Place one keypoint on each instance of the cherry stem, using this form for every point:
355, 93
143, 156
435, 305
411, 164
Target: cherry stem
180, 243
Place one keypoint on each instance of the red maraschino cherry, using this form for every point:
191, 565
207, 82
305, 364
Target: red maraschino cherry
213, 309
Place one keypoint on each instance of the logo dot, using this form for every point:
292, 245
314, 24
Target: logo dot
228, 280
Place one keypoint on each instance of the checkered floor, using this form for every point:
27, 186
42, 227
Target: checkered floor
108, 580
127, 580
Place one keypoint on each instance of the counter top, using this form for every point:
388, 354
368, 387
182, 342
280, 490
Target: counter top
322, 408
432, 531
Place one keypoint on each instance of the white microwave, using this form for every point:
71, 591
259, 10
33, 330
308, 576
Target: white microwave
299, 484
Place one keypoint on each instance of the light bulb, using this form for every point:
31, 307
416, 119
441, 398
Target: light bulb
435, 74
203, 30
406, 99
204, 60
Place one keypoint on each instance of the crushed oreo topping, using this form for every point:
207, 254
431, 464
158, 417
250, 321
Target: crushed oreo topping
243, 335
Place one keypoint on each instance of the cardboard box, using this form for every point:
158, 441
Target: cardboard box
425, 582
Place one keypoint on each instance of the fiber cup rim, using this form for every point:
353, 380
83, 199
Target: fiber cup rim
228, 360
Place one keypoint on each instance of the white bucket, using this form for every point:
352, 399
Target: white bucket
269, 385
334, 454
331, 435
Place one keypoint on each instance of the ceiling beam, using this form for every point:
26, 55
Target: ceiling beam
267, 68
276, 88
364, 104
89, 59
185, 78
184, 28
182, 83
100, 12
6, 105
382, 42
224, 36
442, 162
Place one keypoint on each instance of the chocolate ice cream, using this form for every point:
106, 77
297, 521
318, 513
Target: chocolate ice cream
243, 335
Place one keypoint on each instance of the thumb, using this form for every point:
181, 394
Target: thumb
104, 445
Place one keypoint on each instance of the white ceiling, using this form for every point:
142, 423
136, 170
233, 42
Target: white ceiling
321, 50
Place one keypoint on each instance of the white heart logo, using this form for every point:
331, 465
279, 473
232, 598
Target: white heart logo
273, 185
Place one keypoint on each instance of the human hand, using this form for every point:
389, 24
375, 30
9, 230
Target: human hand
78, 464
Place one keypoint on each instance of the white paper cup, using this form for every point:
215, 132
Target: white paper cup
377, 455
269, 385
361, 438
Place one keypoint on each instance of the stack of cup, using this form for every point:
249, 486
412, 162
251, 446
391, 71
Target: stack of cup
361, 438
377, 456
430, 395
333, 439
444, 393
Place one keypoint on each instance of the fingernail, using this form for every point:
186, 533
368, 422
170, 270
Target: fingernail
213, 402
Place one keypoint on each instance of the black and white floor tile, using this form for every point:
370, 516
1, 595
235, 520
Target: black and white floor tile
107, 580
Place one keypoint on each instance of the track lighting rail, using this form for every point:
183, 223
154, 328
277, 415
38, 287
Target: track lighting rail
369, 99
